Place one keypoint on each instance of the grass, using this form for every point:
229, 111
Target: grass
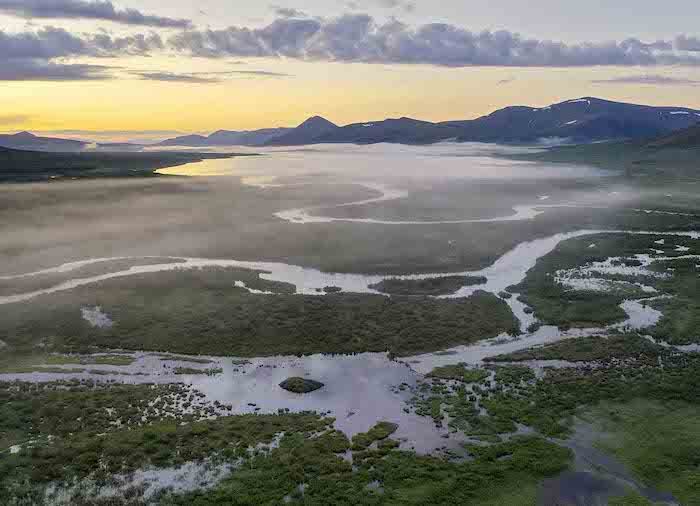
658, 441
404, 477
202, 312
429, 286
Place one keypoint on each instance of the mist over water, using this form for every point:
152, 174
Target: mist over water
394, 161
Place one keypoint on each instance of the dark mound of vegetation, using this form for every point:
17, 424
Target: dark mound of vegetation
428, 286
301, 385
332, 289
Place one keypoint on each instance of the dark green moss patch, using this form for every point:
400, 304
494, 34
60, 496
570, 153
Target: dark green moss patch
428, 286
379, 432
301, 385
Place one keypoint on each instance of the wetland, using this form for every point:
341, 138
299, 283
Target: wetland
465, 329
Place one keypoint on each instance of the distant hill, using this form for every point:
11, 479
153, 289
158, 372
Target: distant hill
579, 121
185, 140
669, 158
687, 138
245, 138
227, 138
30, 142
306, 133
401, 130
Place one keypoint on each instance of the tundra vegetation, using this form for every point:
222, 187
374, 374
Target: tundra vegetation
671, 275
202, 311
428, 286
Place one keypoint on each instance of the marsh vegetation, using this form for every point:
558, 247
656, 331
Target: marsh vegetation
427, 286
204, 312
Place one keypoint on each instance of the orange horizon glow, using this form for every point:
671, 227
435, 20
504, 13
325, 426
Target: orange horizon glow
343, 93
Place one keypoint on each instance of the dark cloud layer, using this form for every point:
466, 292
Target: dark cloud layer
49, 43
31, 56
288, 12
204, 77
656, 80
31, 70
41, 54
95, 9
358, 38
176, 78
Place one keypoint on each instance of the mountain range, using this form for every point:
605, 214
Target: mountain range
574, 121
578, 121
28, 141
228, 138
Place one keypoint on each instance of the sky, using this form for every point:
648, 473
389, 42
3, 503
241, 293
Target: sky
147, 69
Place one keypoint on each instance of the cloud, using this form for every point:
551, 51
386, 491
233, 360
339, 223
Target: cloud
686, 43
13, 119
259, 73
49, 43
31, 56
204, 77
288, 12
178, 78
657, 80
358, 38
403, 5
31, 70
86, 9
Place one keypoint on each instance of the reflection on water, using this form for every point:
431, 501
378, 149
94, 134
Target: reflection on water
359, 390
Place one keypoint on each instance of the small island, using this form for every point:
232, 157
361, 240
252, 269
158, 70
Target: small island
429, 286
301, 385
